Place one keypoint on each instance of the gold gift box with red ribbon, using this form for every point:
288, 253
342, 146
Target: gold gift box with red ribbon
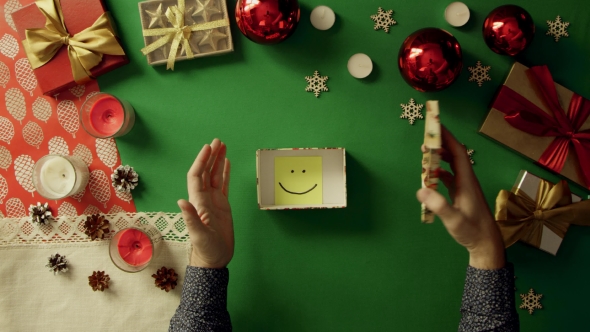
539, 213
544, 121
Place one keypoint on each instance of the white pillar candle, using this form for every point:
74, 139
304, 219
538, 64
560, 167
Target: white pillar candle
322, 17
457, 14
360, 65
57, 177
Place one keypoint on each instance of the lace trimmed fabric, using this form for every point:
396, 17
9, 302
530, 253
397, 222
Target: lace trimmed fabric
22, 232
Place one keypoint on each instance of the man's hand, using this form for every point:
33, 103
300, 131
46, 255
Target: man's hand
207, 213
468, 219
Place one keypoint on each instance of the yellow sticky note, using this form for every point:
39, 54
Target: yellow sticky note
298, 180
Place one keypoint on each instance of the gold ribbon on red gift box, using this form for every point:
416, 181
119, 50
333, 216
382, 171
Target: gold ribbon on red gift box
521, 217
523, 115
85, 49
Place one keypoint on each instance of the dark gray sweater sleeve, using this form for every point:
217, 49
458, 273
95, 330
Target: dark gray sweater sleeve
488, 301
203, 303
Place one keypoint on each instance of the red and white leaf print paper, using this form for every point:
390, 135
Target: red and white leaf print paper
58, 145
24, 75
4, 74
10, 7
9, 46
33, 125
42, 109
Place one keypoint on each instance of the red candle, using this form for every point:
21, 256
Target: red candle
104, 115
135, 247
107, 115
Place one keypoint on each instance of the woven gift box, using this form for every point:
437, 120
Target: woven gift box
184, 29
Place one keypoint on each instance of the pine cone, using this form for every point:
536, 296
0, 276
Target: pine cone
124, 179
40, 214
99, 281
165, 279
96, 226
57, 263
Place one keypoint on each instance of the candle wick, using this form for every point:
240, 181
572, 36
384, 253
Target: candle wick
323, 12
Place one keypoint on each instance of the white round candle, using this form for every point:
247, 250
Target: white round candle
58, 176
322, 17
457, 14
360, 65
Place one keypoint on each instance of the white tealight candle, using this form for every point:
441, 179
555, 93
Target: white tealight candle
457, 14
360, 65
322, 17
57, 177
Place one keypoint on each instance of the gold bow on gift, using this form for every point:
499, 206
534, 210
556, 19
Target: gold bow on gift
85, 49
522, 218
179, 32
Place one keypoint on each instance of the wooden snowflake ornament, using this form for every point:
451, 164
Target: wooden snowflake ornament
412, 111
531, 301
557, 28
383, 19
470, 153
479, 73
316, 83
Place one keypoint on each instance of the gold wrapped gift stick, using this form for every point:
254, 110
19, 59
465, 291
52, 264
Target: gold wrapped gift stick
431, 158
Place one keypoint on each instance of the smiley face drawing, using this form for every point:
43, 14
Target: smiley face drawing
298, 180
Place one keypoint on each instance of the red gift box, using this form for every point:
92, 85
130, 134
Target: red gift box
78, 15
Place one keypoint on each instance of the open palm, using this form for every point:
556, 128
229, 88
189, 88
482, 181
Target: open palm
207, 213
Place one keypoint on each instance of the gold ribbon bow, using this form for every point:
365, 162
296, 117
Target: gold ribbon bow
85, 49
179, 32
522, 218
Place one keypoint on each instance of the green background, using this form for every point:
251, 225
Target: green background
372, 266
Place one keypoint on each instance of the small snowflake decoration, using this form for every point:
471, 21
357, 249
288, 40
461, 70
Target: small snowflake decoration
412, 111
470, 153
557, 28
479, 73
316, 83
40, 214
383, 19
531, 301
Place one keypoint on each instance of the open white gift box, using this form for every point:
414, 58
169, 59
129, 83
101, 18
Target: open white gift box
306, 178
529, 184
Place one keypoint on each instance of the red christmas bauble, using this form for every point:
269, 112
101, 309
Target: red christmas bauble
508, 30
267, 21
430, 59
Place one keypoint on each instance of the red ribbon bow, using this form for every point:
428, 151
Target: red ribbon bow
525, 116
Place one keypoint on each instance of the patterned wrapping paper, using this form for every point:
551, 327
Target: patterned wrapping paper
153, 16
33, 125
302, 207
431, 158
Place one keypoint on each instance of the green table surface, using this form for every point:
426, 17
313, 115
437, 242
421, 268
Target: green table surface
372, 266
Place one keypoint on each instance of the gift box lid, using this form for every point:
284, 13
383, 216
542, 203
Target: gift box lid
529, 184
531, 146
78, 15
301, 178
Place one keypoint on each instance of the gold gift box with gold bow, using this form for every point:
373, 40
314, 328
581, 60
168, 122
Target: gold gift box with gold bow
177, 30
539, 213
